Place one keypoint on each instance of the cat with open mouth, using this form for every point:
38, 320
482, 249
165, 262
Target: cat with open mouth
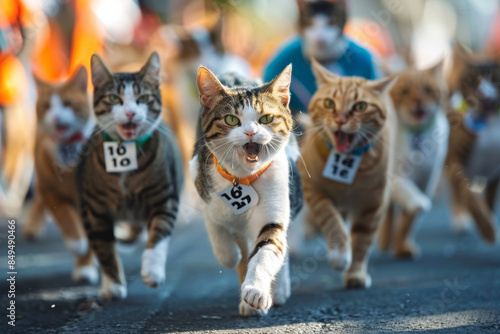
245, 171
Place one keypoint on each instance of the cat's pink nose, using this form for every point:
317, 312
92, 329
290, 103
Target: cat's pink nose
340, 120
130, 114
250, 133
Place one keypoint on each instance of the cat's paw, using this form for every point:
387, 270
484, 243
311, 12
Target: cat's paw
85, 274
248, 311
420, 203
357, 280
462, 223
281, 292
112, 290
340, 260
256, 297
77, 247
407, 250
153, 269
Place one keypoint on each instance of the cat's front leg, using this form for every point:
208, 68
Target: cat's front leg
328, 219
264, 263
363, 233
224, 245
154, 257
99, 228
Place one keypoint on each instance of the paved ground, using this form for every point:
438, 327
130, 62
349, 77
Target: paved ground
453, 288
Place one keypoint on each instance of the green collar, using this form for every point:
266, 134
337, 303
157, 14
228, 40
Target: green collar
139, 142
422, 128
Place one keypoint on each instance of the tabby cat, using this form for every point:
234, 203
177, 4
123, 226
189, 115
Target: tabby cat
348, 152
65, 122
247, 182
133, 172
472, 165
421, 144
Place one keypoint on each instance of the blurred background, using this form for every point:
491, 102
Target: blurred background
50, 38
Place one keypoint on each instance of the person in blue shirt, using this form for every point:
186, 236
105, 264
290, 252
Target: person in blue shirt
321, 24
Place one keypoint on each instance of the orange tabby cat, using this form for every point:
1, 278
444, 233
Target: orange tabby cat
353, 123
421, 144
65, 122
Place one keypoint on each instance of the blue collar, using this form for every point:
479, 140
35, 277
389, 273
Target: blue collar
358, 151
474, 124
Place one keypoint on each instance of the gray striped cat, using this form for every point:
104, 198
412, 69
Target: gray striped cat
132, 171
250, 186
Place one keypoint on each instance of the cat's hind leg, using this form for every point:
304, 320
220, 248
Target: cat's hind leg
224, 245
35, 219
281, 286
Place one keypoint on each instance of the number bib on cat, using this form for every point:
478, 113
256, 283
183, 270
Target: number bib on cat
120, 157
239, 198
342, 167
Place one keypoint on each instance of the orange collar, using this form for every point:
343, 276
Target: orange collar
235, 180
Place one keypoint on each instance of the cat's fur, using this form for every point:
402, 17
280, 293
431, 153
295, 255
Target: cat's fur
147, 196
474, 139
331, 205
421, 145
322, 23
255, 242
65, 122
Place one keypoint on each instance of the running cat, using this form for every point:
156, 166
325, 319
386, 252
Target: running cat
249, 185
348, 152
133, 172
472, 165
421, 145
65, 122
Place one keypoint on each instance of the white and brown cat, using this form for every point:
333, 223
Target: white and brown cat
246, 181
65, 122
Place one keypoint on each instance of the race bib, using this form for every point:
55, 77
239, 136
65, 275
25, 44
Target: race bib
120, 157
239, 198
341, 167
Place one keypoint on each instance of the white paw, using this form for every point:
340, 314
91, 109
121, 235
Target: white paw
421, 202
461, 223
281, 293
112, 290
357, 280
340, 260
153, 264
248, 311
77, 247
87, 274
256, 296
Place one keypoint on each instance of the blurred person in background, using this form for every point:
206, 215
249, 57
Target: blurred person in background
321, 25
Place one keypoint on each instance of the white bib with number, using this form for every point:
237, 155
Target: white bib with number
120, 157
342, 167
239, 198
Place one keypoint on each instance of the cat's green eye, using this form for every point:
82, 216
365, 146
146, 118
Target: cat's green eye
143, 99
232, 120
114, 99
266, 119
329, 104
361, 106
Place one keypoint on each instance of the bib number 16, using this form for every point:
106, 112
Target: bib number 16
120, 157
239, 198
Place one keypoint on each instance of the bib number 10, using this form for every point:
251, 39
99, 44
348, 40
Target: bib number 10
120, 157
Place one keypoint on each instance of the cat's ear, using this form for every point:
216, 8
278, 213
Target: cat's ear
80, 79
209, 87
100, 72
151, 70
280, 86
321, 74
383, 85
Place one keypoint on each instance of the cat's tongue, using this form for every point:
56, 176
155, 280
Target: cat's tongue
252, 150
343, 141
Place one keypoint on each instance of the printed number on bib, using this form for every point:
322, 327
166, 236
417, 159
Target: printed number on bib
120, 157
239, 198
342, 167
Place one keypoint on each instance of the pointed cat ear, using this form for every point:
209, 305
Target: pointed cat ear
383, 85
280, 86
209, 88
79, 79
100, 72
151, 70
321, 74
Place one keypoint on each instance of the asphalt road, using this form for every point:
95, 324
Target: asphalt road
453, 288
